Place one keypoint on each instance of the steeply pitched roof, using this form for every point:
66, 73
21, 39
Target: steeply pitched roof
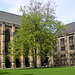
70, 27
10, 18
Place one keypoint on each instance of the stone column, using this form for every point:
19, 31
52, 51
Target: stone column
66, 48
31, 59
3, 46
68, 51
74, 41
50, 61
38, 58
38, 61
22, 60
74, 49
12, 57
59, 51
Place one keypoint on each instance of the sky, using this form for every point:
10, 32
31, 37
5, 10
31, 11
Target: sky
65, 9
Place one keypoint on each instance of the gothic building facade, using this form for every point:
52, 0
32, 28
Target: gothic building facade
8, 26
65, 46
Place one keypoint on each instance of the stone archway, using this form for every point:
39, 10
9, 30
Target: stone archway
42, 61
7, 63
18, 63
46, 60
27, 61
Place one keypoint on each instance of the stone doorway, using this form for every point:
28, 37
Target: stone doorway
18, 64
46, 60
42, 61
27, 61
7, 63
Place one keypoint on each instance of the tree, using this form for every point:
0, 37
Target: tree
37, 31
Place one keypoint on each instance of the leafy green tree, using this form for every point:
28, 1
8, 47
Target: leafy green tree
38, 30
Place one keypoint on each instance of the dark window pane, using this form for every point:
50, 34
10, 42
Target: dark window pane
7, 36
71, 39
55, 48
62, 48
7, 39
71, 47
62, 41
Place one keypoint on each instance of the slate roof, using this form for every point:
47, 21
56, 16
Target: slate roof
13, 18
70, 27
9, 17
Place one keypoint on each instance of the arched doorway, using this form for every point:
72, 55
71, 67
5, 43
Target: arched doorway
42, 61
45, 61
18, 64
27, 61
7, 63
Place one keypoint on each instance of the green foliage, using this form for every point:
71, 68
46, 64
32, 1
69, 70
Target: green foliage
37, 31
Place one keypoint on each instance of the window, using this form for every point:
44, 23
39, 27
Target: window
71, 47
7, 35
55, 48
71, 39
62, 41
62, 48
7, 39
62, 44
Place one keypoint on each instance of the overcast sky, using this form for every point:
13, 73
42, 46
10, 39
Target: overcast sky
65, 10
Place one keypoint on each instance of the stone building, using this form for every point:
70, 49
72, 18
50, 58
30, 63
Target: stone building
65, 45
8, 25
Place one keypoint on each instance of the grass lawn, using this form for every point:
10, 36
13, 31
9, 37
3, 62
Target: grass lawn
39, 71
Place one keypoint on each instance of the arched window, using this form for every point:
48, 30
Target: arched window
7, 39
7, 35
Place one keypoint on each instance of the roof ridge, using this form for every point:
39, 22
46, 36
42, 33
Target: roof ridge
70, 23
10, 13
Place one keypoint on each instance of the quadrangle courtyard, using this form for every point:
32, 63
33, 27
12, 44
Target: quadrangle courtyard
39, 71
